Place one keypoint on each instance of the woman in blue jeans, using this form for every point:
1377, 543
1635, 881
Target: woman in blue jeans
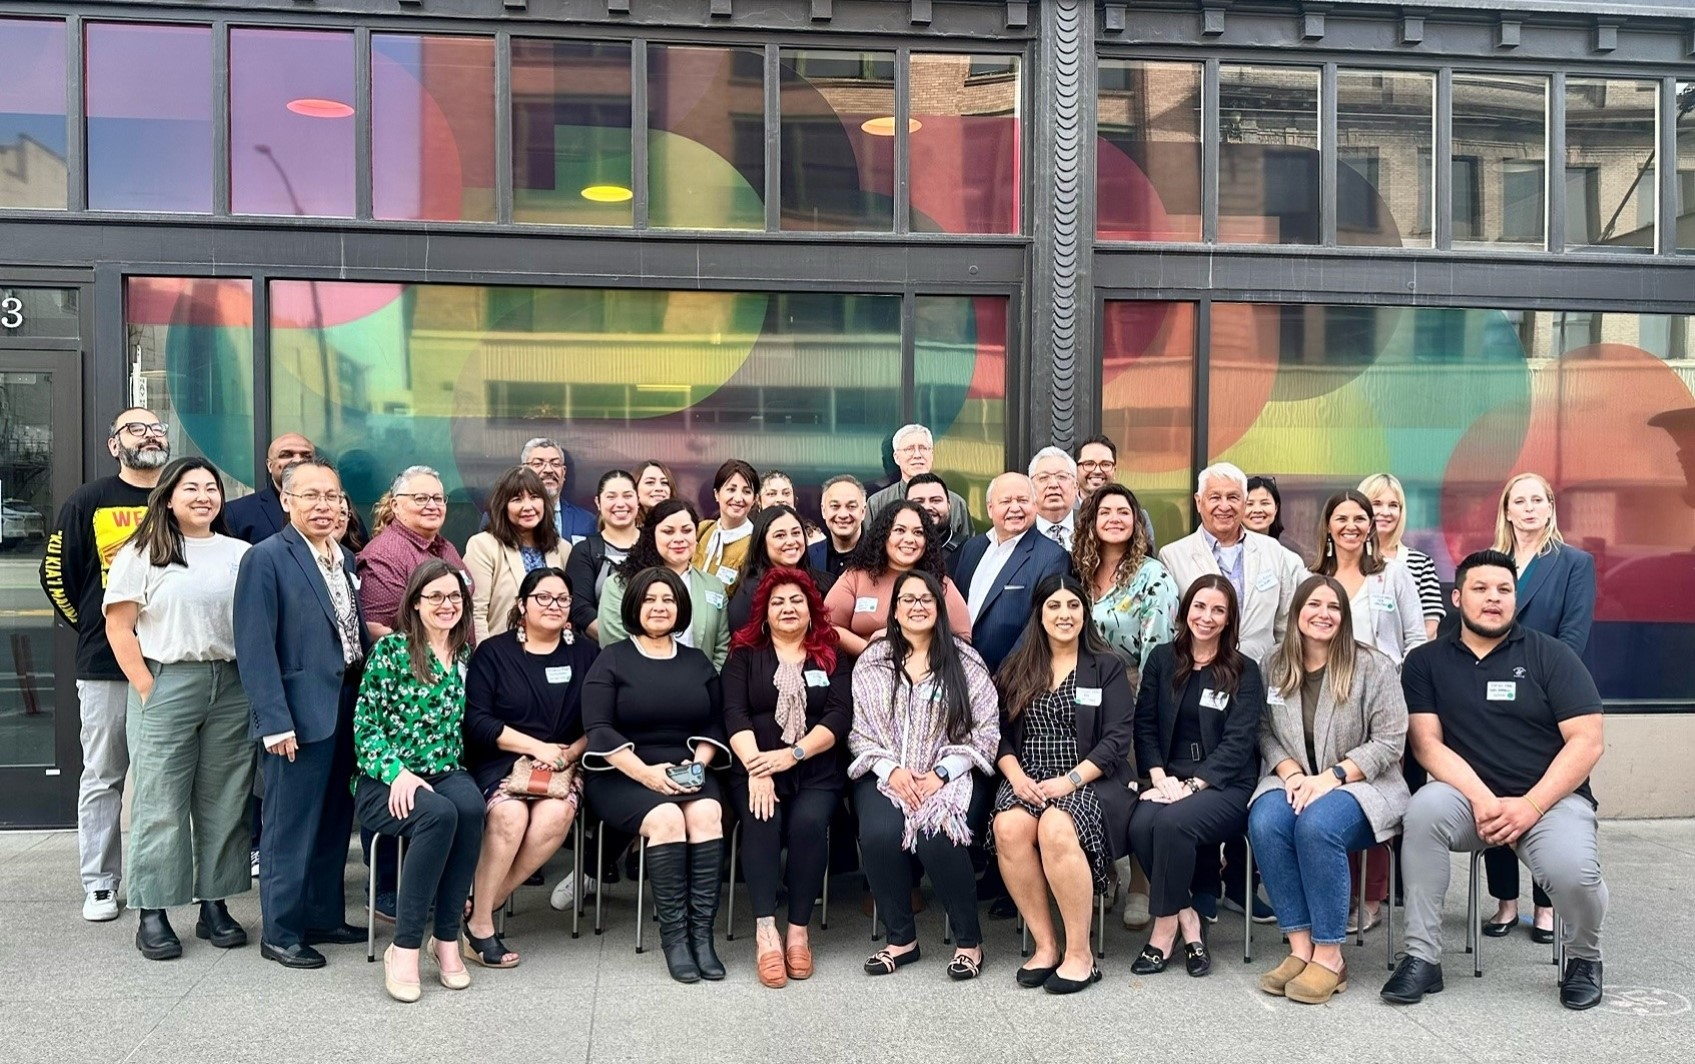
1334, 726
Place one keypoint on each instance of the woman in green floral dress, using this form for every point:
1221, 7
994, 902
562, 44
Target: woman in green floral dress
1135, 598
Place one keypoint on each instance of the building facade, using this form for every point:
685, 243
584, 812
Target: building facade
1321, 240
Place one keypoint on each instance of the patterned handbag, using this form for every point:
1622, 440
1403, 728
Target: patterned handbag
533, 779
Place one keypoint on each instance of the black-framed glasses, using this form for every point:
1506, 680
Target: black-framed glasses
436, 598
144, 429
548, 602
420, 499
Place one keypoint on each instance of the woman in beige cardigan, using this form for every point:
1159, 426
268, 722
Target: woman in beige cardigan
520, 537
1334, 727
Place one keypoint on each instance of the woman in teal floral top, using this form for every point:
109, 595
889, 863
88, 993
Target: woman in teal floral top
407, 734
1135, 598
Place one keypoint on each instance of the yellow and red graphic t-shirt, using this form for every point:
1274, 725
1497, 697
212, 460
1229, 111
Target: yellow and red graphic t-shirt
94, 523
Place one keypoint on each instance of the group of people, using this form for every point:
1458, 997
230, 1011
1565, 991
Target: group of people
1052, 696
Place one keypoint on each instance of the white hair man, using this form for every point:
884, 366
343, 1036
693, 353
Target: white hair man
915, 453
1054, 474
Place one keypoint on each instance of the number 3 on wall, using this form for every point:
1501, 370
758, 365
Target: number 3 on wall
11, 312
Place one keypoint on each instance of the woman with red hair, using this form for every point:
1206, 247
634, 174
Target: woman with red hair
788, 707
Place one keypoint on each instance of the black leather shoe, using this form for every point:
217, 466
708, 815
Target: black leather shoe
1058, 985
1151, 962
345, 935
1494, 930
218, 927
1543, 935
297, 956
1196, 959
1031, 978
154, 937
1413, 979
1003, 909
1581, 986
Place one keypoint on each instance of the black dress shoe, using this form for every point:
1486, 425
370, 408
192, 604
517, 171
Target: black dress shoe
1058, 985
1413, 979
218, 927
1196, 959
154, 937
1494, 930
296, 956
1003, 909
345, 935
1031, 978
1151, 962
1581, 987
1544, 935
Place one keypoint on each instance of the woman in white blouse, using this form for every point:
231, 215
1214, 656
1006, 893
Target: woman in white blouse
1381, 593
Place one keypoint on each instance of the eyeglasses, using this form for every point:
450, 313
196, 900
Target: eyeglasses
546, 463
1094, 466
313, 498
547, 602
142, 428
916, 600
1059, 477
436, 598
915, 448
421, 500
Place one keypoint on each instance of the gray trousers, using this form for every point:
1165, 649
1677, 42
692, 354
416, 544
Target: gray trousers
100, 792
1560, 850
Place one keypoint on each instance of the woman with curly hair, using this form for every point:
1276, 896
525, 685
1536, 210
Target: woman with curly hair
1135, 598
901, 540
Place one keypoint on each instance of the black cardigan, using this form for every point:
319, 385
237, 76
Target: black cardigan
501, 692
750, 704
1229, 738
581, 569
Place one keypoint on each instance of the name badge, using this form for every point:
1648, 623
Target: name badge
715, 599
1274, 697
1503, 691
1386, 603
1088, 696
865, 604
727, 575
577, 539
465, 575
355, 578
1265, 582
559, 674
817, 678
1214, 699
461, 672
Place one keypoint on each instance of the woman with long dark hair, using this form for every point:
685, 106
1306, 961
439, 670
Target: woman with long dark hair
654, 484
1197, 723
1062, 813
902, 539
926, 727
779, 541
1135, 599
788, 705
170, 605
593, 560
667, 541
520, 539
1382, 595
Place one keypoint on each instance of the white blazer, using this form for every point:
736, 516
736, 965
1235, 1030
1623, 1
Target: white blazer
1387, 614
1270, 574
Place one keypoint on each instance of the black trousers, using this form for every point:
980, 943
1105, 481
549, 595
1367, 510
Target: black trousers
1501, 865
303, 850
444, 836
889, 869
802, 820
1166, 837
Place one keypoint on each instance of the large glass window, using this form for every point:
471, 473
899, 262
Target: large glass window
149, 117
1685, 212
1148, 163
32, 114
838, 140
1268, 155
189, 344
1385, 141
705, 137
291, 122
964, 143
571, 133
432, 127
959, 343
1611, 129
1500, 160
1147, 405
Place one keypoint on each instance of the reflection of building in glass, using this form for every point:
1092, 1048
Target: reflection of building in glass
31, 174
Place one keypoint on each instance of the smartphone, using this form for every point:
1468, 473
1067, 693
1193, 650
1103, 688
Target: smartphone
690, 774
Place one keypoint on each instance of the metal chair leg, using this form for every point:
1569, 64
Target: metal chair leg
599, 868
1023, 937
1248, 909
1359, 920
730, 904
1559, 941
824, 918
1389, 910
641, 879
1473, 928
371, 905
1100, 926
577, 873
947, 930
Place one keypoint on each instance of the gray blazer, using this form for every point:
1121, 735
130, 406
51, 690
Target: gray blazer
1370, 729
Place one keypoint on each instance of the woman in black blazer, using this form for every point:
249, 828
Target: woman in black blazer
778, 540
1062, 813
788, 707
1197, 730
593, 560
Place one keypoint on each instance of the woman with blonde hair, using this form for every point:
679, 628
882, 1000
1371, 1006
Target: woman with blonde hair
1389, 513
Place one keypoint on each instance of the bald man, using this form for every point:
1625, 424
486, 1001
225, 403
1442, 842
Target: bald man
259, 516
999, 569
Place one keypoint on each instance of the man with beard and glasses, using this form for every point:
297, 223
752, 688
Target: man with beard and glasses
95, 521
931, 492
1508, 723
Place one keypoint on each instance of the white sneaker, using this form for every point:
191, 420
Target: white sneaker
565, 894
100, 906
1136, 914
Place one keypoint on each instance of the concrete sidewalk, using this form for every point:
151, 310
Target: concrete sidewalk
75, 991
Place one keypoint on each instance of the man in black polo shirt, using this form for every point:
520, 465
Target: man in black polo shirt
1508, 723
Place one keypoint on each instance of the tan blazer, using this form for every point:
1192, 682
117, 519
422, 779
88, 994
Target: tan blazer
1370, 729
496, 571
1270, 574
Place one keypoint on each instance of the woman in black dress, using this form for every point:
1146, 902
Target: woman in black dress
523, 699
788, 706
651, 704
1062, 813
779, 539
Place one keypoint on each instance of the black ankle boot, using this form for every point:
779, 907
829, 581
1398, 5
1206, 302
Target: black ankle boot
706, 869
154, 937
218, 927
668, 882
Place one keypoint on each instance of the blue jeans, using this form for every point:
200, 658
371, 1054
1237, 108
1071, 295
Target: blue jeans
1303, 860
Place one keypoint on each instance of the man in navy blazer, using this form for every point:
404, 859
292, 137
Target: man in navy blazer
300, 641
259, 516
999, 570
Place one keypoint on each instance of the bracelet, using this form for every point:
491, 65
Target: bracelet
1539, 810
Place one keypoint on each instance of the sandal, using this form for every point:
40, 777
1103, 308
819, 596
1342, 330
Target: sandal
884, 963
963, 967
489, 952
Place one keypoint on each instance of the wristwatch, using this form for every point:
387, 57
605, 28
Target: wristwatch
942, 773
1340, 773
799, 751
1076, 780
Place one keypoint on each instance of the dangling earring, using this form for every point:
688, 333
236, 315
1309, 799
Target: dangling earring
519, 634
1329, 546
566, 635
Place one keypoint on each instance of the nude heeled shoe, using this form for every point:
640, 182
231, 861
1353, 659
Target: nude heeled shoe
398, 990
460, 980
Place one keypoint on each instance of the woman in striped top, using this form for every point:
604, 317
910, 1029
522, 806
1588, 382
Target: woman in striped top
1389, 510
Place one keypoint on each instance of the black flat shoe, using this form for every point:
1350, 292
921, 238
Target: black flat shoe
884, 963
1494, 930
1580, 988
155, 938
1411, 981
1058, 985
218, 927
1031, 978
1544, 935
1003, 909
1196, 959
964, 968
299, 956
1151, 962
345, 935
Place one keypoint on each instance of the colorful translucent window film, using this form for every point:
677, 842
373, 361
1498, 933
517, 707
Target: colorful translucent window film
1500, 160
1268, 162
32, 114
432, 127
1385, 145
963, 140
1454, 403
149, 117
190, 347
1147, 405
291, 122
959, 345
1611, 129
1148, 162
571, 154
837, 128
705, 137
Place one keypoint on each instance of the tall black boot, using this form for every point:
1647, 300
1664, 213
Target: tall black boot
706, 871
668, 881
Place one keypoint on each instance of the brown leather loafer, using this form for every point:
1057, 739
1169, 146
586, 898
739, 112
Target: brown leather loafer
798, 959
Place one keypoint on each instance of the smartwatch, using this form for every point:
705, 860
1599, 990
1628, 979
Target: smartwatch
799, 751
1340, 773
942, 773
1076, 780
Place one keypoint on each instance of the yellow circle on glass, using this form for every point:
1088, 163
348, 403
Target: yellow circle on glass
607, 194
885, 126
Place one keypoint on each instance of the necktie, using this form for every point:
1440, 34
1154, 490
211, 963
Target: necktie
1057, 534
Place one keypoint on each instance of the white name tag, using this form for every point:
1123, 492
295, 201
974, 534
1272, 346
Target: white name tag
1274, 697
1265, 582
865, 604
715, 599
461, 672
577, 539
1503, 691
355, 578
1088, 696
1386, 603
465, 575
817, 678
1214, 699
727, 575
559, 674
